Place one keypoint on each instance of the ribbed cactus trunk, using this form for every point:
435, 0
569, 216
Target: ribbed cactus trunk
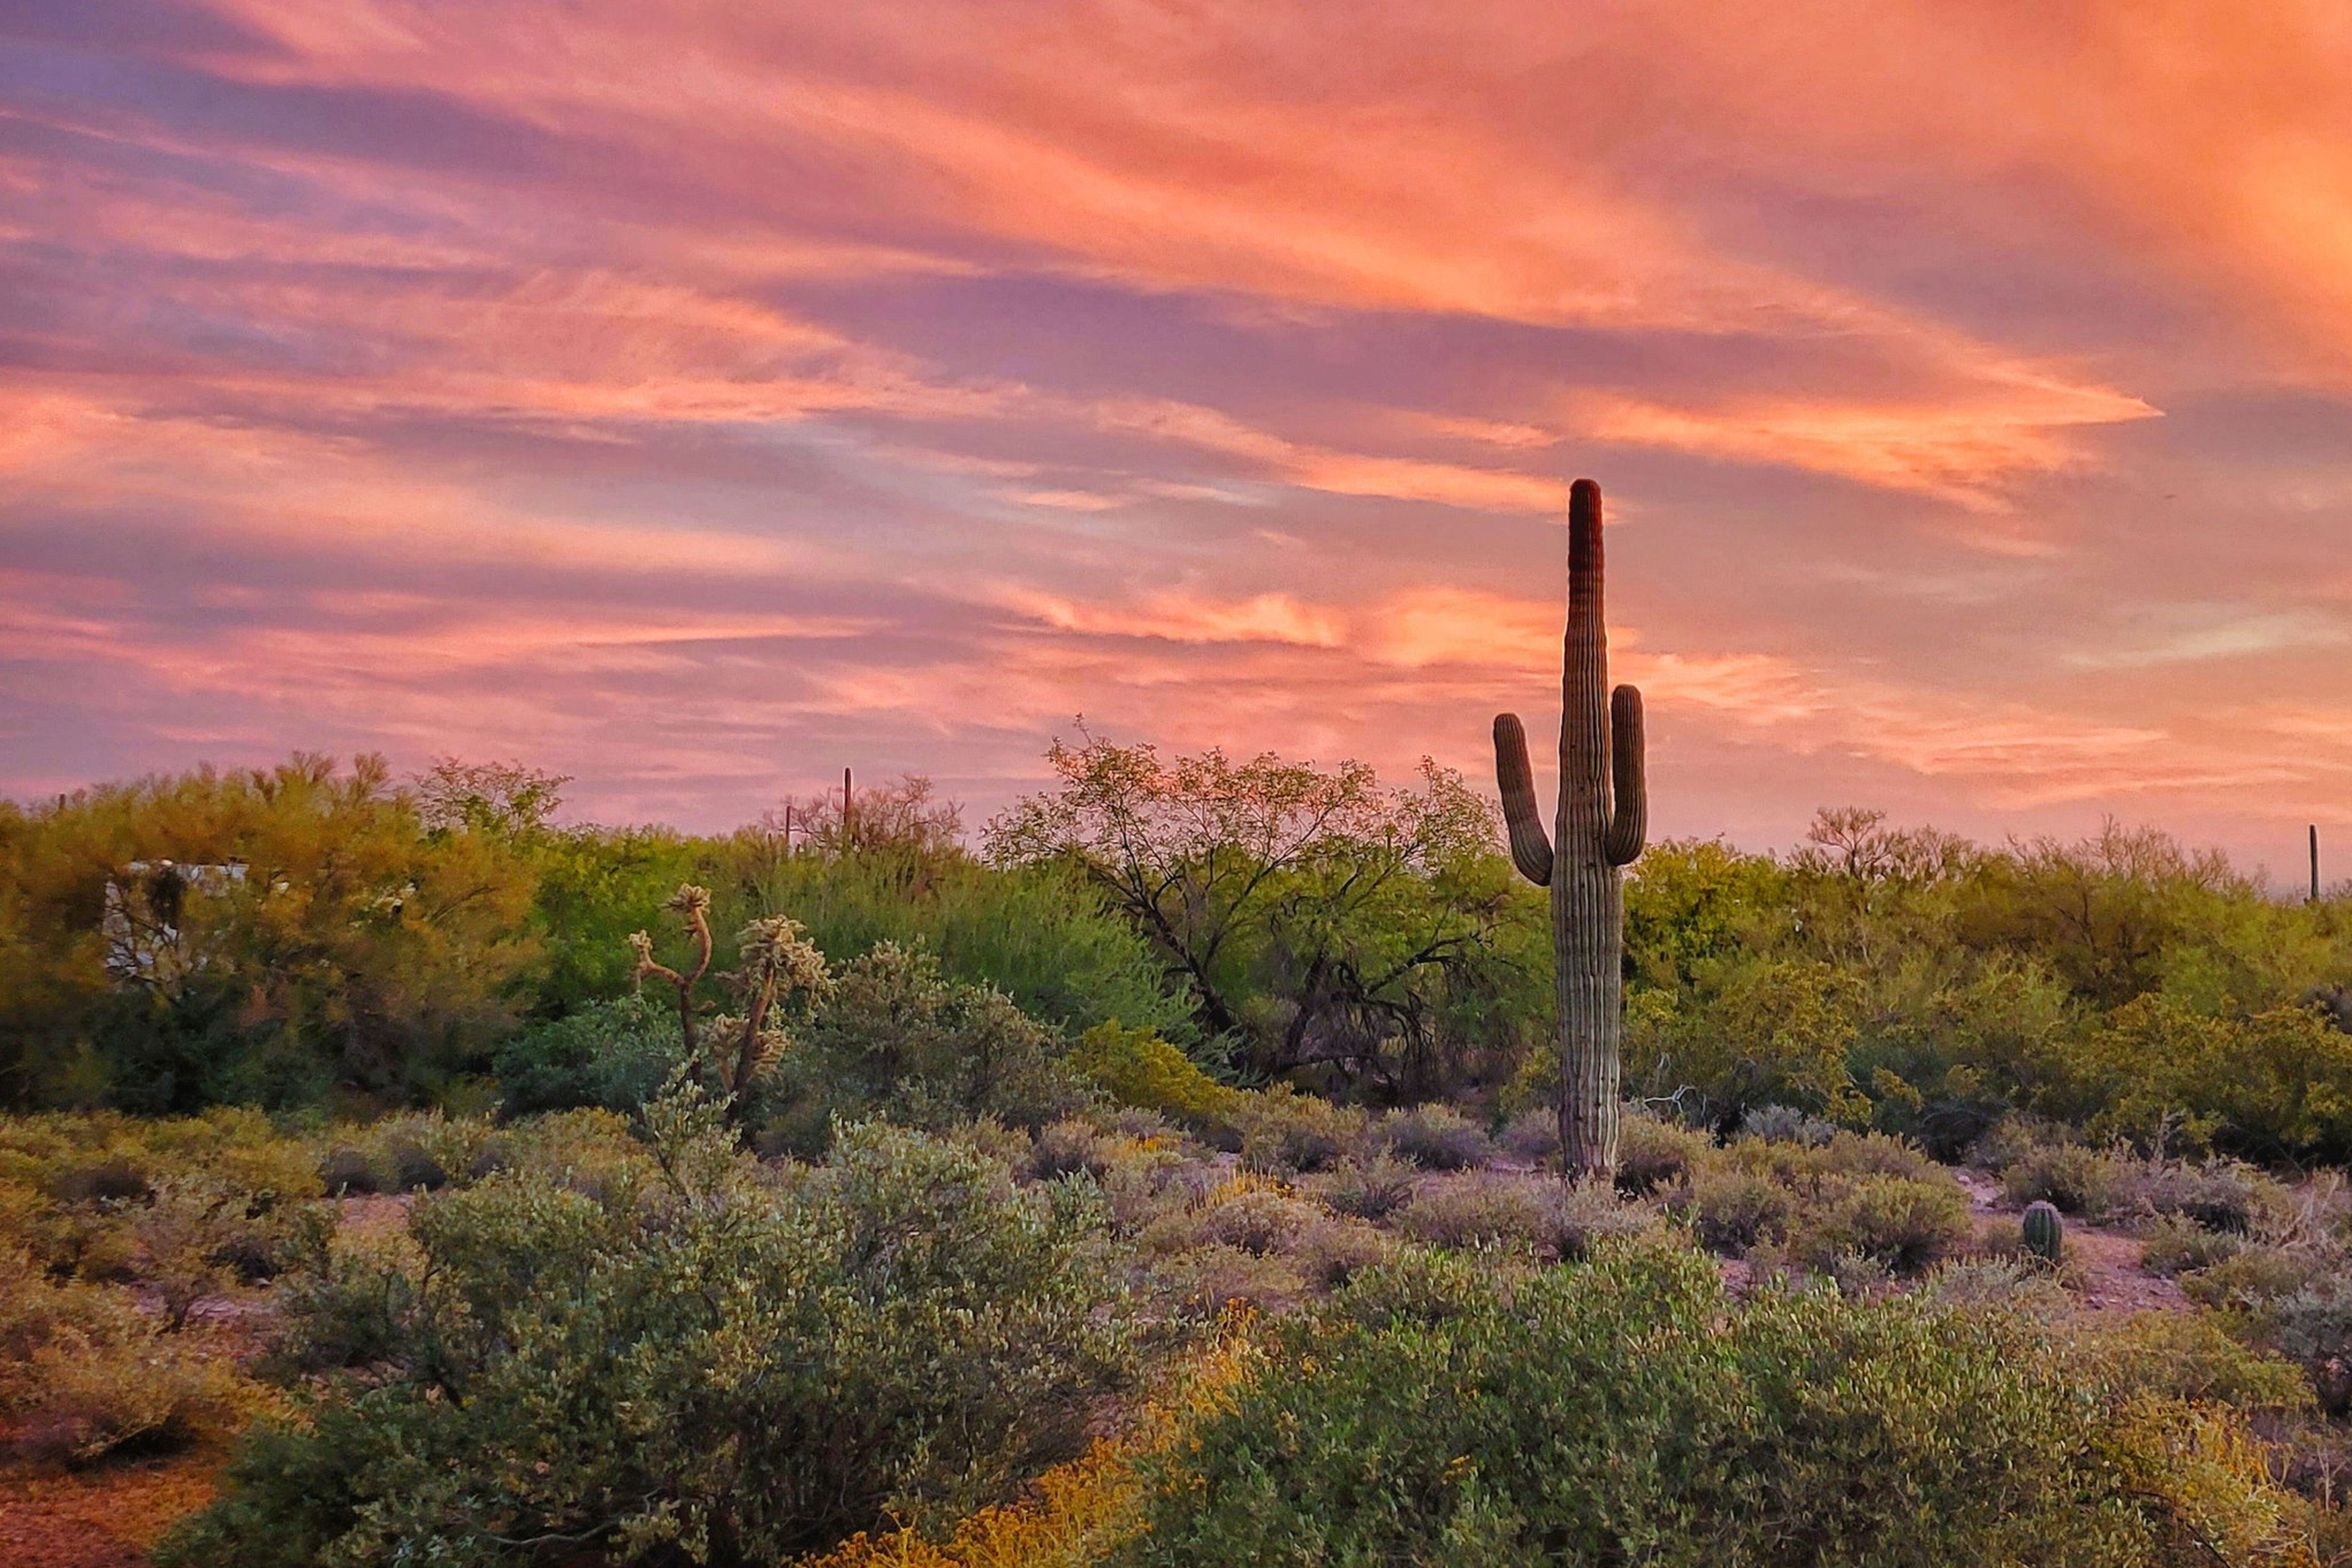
1598, 828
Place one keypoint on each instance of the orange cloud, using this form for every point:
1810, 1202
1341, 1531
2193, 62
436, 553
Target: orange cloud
1958, 453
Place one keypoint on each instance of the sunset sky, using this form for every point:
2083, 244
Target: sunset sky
696, 398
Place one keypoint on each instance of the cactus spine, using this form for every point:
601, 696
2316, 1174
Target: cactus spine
2044, 1231
1602, 821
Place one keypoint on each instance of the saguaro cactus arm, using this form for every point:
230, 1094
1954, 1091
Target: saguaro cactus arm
1530, 849
1629, 805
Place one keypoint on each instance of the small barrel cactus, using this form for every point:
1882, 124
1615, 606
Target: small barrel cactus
2044, 1231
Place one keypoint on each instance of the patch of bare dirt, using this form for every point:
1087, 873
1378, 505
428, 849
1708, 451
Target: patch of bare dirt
2101, 1267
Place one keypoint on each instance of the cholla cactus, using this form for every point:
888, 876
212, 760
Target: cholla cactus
1602, 821
693, 905
2044, 1232
779, 963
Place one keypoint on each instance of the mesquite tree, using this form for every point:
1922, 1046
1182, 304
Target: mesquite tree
1602, 819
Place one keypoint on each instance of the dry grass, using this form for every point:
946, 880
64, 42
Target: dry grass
107, 1517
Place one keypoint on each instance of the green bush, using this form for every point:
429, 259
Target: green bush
1732, 1208
1136, 1067
1285, 1131
1534, 1215
898, 1039
1483, 1209
2172, 1244
1437, 1138
1369, 1189
2313, 1327
359, 951
1628, 1412
1904, 1223
610, 1054
83, 1372
2183, 1356
1864, 1205
2070, 1178
701, 1357
1651, 1154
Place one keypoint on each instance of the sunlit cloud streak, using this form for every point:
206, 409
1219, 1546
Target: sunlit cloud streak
695, 398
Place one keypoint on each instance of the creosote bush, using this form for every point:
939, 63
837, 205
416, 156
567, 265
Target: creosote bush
1437, 1138
1860, 1205
1627, 1411
83, 1372
688, 1353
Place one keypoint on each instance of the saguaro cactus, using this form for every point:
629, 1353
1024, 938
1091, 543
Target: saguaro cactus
1602, 820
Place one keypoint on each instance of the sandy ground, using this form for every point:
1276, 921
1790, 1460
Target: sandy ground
2102, 1266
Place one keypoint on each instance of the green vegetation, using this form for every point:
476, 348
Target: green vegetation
680, 1351
1178, 1184
1628, 1411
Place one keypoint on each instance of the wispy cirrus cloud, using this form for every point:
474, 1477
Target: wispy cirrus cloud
699, 396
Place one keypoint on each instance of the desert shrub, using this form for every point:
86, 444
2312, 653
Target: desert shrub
613, 1053
2273, 1083
1143, 1179
2182, 1355
185, 1232
1286, 1131
1258, 1221
898, 1039
83, 1372
1371, 1188
413, 1170
1752, 1028
1651, 1154
346, 1171
1785, 1124
1534, 1215
73, 1188
1192, 1211
1863, 1203
1581, 1216
1136, 1067
2253, 1276
353, 1304
2172, 1244
1068, 1148
2071, 1178
147, 1393
1531, 1137
720, 1360
1907, 1224
1480, 1209
1626, 1410
592, 1152
361, 951
2008, 1284
1437, 1138
2217, 1194
2312, 1327
187, 1207
1872, 1154
107, 1178
1207, 1282
1732, 1208
1332, 1251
